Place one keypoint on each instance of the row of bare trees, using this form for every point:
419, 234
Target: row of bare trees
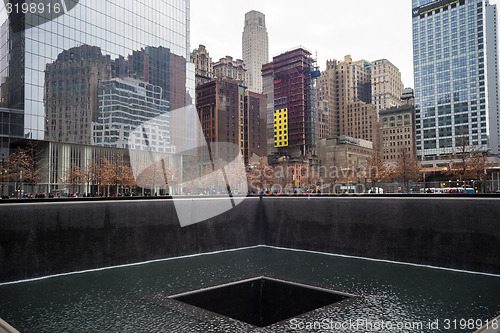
105, 173
261, 177
24, 166
113, 173
465, 163
407, 169
468, 162
21, 166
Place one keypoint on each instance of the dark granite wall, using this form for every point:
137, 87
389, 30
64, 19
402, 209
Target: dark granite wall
47, 238
446, 232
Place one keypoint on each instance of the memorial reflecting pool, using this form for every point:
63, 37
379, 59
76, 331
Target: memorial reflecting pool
114, 300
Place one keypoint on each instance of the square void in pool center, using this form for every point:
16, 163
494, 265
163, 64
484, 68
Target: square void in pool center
261, 301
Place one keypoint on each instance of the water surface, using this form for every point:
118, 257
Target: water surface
111, 300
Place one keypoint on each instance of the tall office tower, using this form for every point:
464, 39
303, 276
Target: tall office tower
346, 86
203, 65
255, 48
230, 69
31, 43
230, 113
387, 86
456, 76
293, 112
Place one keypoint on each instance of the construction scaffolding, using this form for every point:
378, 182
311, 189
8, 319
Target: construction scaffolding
294, 89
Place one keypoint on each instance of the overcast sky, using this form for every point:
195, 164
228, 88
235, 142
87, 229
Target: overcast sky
365, 29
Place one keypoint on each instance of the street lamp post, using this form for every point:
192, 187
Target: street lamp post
21, 184
498, 181
424, 183
3, 174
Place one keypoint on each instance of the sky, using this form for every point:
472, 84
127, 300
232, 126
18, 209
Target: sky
365, 29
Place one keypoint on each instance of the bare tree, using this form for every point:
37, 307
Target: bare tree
407, 169
116, 173
282, 177
112, 170
376, 169
127, 178
34, 169
237, 178
151, 175
260, 176
467, 161
310, 177
109, 172
22, 166
18, 168
74, 176
94, 173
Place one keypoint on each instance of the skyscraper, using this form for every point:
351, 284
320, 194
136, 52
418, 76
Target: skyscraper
346, 85
387, 86
229, 113
293, 112
456, 76
255, 48
45, 57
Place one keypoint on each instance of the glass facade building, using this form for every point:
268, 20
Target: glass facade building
456, 75
50, 68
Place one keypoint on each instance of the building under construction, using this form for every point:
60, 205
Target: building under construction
294, 95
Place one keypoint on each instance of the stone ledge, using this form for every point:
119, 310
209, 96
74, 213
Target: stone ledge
6, 328
489, 329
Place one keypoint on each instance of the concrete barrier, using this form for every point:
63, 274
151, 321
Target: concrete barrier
45, 238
